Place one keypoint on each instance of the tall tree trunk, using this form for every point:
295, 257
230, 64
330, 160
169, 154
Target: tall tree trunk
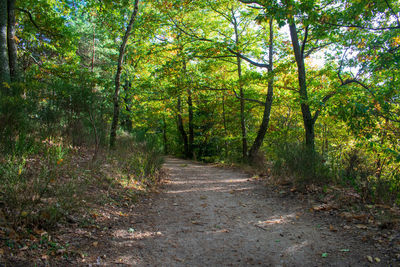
122, 49
165, 140
241, 93
93, 46
12, 45
242, 110
181, 129
191, 131
308, 119
4, 65
268, 101
224, 121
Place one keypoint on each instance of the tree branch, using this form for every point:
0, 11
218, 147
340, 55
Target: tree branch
324, 100
30, 17
303, 45
261, 65
394, 13
248, 99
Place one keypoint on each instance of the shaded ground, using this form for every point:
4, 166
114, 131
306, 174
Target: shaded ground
211, 216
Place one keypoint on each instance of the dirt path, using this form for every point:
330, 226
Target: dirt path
210, 216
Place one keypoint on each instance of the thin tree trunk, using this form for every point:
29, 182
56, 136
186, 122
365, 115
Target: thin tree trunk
268, 102
4, 65
191, 131
242, 101
93, 47
165, 136
122, 49
181, 129
308, 120
12, 45
224, 121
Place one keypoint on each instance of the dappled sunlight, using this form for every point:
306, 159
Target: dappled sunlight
132, 234
296, 247
277, 220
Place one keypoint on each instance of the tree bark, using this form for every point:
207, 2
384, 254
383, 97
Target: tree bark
191, 130
181, 129
4, 65
268, 102
165, 136
12, 44
122, 49
224, 120
241, 93
308, 119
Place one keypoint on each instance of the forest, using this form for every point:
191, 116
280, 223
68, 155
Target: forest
303, 89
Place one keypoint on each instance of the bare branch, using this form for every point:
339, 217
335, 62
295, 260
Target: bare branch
261, 65
394, 13
303, 45
324, 100
363, 27
248, 99
30, 17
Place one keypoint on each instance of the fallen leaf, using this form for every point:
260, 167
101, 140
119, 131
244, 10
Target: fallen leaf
377, 259
203, 197
95, 244
332, 229
324, 255
369, 258
131, 230
361, 226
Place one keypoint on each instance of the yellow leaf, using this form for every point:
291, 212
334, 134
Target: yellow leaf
5, 84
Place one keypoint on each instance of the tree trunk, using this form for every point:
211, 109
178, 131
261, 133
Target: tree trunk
191, 131
12, 45
308, 120
224, 120
268, 101
181, 129
122, 49
165, 136
4, 65
241, 93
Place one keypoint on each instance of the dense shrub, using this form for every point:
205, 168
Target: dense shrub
305, 165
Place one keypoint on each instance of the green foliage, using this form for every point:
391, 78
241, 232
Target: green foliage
36, 189
305, 165
140, 162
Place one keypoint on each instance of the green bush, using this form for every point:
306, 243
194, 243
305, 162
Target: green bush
36, 189
141, 161
307, 166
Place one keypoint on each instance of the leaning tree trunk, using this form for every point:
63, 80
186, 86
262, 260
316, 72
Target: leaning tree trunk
308, 119
12, 45
268, 102
122, 49
4, 66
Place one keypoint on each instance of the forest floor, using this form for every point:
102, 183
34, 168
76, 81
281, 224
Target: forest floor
206, 215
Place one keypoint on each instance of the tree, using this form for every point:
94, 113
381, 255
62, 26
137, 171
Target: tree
116, 100
4, 65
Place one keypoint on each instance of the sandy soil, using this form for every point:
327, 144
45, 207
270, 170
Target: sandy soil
211, 216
